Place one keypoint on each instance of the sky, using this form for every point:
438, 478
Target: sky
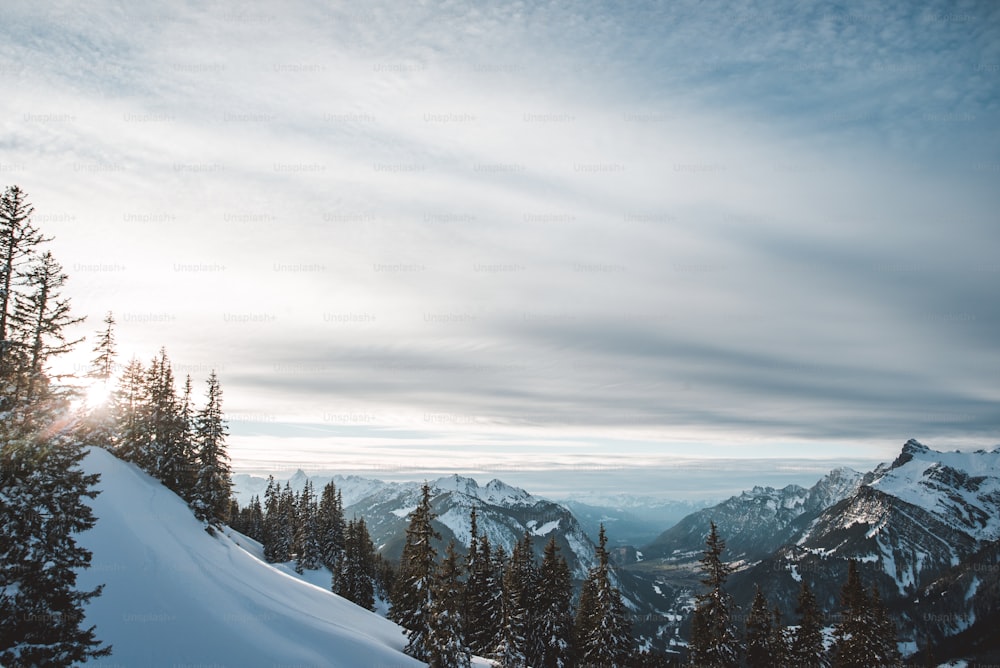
566, 244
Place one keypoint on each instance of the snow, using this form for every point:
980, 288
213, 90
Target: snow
404, 512
174, 595
973, 587
795, 573
545, 529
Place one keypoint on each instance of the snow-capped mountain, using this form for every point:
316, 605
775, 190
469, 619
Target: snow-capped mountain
504, 513
756, 522
175, 595
915, 526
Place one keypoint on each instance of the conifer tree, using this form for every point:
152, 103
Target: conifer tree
713, 640
98, 424
276, 548
519, 583
413, 597
760, 634
331, 527
213, 485
555, 609
40, 316
356, 579
19, 239
853, 634
446, 636
604, 637
132, 434
806, 649
308, 551
482, 594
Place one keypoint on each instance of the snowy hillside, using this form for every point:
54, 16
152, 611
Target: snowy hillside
174, 595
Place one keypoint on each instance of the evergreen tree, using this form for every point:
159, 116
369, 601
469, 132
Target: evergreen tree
213, 485
604, 637
865, 635
806, 648
519, 582
98, 425
132, 434
446, 637
555, 609
331, 528
482, 594
39, 319
760, 634
413, 597
276, 548
713, 641
19, 239
356, 580
308, 552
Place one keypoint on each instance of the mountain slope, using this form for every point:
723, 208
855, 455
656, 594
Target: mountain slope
174, 595
757, 522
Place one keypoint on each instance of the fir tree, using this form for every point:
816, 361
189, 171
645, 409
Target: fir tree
213, 485
713, 640
331, 527
308, 548
806, 648
356, 580
604, 637
517, 645
98, 425
765, 646
446, 637
413, 597
865, 635
132, 434
555, 609
19, 239
482, 594
277, 547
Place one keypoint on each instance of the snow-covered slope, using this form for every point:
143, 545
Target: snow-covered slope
174, 595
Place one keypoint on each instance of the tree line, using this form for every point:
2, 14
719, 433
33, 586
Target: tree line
311, 531
863, 636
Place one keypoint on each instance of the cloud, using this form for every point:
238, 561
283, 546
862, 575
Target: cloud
689, 221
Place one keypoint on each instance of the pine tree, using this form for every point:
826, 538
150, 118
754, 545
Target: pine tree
132, 434
446, 636
806, 648
308, 552
275, 548
19, 239
866, 634
604, 638
413, 597
356, 579
98, 424
555, 609
760, 634
213, 485
519, 582
40, 317
713, 640
331, 527
482, 594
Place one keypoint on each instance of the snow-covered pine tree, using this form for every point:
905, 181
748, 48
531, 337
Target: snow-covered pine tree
273, 530
482, 593
555, 609
713, 641
331, 528
213, 485
606, 639
43, 490
356, 580
865, 635
806, 648
309, 552
446, 638
520, 580
413, 596
131, 410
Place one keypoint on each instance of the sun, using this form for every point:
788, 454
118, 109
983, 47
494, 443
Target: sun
97, 394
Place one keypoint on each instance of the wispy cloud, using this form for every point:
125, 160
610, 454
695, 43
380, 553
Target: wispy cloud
746, 224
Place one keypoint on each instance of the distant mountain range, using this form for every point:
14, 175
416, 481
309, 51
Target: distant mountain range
925, 528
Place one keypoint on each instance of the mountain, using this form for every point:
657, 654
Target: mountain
504, 513
923, 528
756, 522
629, 520
175, 595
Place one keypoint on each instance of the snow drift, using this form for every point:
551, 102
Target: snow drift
175, 595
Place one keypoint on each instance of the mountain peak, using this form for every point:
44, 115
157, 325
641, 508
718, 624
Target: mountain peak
912, 448
457, 483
